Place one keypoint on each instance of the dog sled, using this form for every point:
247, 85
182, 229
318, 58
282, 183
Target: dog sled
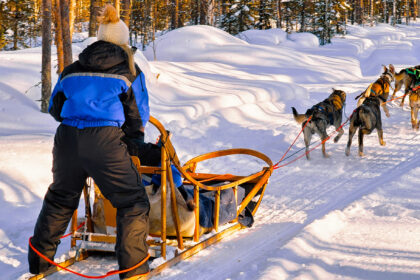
176, 233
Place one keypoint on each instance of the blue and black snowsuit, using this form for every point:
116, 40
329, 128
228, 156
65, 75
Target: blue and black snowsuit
98, 101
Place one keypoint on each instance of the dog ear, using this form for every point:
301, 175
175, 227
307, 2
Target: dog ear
384, 68
391, 68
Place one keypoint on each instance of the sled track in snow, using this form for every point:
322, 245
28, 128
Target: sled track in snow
254, 242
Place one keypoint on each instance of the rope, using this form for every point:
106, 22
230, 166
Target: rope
306, 123
70, 233
277, 166
109, 273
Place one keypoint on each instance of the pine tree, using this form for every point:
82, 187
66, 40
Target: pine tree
228, 19
20, 19
239, 16
3, 25
265, 12
326, 15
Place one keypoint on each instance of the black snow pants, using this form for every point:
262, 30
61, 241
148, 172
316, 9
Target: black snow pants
96, 152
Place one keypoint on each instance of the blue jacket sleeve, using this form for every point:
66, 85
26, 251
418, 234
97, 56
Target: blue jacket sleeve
57, 100
136, 107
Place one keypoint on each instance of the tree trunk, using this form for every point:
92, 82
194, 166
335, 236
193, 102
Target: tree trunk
126, 12
279, 14
58, 37
194, 6
46, 55
117, 6
385, 12
203, 11
360, 12
174, 14
2, 29
72, 16
93, 17
15, 26
394, 12
65, 27
210, 12
302, 17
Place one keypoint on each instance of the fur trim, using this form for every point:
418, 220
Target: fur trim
112, 29
109, 15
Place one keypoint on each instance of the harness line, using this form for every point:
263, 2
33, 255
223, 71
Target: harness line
275, 166
109, 273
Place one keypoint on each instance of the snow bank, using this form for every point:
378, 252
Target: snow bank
277, 36
182, 43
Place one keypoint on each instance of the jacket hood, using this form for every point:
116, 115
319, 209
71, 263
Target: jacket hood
102, 55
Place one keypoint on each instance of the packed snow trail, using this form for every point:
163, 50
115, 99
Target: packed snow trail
215, 91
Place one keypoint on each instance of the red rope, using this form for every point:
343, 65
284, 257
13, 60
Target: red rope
276, 165
70, 233
109, 273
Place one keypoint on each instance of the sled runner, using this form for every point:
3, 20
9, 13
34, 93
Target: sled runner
224, 204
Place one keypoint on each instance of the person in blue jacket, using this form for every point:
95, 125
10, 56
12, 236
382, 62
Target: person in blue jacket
98, 99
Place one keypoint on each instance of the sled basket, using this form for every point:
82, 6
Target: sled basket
173, 228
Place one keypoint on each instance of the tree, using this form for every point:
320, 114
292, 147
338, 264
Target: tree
65, 27
174, 14
3, 25
93, 17
326, 15
46, 55
126, 11
239, 16
58, 36
264, 15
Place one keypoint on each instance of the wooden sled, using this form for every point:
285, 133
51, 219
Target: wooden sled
184, 236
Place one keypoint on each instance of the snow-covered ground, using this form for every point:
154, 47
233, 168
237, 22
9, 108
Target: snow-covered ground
336, 218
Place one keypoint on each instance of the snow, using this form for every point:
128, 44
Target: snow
336, 218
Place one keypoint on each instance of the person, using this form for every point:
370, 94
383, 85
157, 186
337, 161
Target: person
150, 154
98, 99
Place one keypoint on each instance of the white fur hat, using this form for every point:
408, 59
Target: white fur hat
111, 28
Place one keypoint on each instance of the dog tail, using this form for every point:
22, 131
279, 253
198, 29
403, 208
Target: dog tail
366, 93
299, 118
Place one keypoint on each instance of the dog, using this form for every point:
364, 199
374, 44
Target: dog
403, 78
324, 114
415, 105
379, 88
366, 118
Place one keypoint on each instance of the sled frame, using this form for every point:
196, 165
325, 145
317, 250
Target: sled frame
192, 178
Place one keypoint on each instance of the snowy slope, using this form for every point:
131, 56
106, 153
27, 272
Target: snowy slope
341, 217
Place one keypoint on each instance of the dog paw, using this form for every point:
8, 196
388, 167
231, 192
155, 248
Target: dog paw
383, 143
336, 138
347, 152
361, 154
387, 115
326, 155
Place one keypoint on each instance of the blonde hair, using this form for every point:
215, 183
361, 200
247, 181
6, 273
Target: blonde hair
130, 55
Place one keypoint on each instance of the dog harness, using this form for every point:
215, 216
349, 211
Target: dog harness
415, 73
379, 87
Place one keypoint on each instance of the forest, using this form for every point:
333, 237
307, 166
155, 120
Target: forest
30, 23
20, 20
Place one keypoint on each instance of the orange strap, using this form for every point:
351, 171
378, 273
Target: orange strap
109, 273
276, 166
70, 233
